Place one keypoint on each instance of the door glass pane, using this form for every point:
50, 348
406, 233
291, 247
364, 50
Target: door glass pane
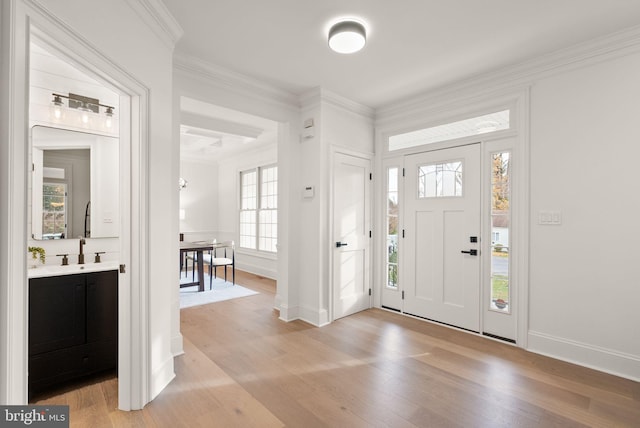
500, 227
440, 180
392, 227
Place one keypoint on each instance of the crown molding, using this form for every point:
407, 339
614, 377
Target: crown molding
156, 15
318, 95
238, 83
614, 45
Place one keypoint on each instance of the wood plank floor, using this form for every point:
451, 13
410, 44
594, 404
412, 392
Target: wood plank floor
243, 367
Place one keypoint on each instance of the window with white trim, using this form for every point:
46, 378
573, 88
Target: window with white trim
487, 123
259, 208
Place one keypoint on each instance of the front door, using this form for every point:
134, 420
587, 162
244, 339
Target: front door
351, 235
442, 233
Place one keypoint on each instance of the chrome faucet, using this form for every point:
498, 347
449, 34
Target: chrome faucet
81, 255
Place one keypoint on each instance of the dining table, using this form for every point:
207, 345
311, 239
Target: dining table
198, 247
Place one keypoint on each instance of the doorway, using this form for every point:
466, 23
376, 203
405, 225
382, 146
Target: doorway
127, 218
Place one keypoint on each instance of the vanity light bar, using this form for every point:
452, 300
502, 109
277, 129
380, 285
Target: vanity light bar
80, 102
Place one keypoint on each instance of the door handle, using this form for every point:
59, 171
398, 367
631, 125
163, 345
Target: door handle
470, 252
341, 244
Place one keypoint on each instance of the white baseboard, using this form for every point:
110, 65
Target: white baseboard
313, 316
288, 313
257, 270
161, 377
594, 357
177, 345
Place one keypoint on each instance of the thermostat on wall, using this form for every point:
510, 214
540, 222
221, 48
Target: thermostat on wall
307, 192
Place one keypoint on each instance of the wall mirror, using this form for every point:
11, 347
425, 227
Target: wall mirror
75, 184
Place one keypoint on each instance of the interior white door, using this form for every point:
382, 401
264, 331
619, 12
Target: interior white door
351, 226
442, 230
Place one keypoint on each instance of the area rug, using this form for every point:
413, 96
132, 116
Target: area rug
190, 296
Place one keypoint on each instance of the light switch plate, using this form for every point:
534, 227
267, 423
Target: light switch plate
550, 217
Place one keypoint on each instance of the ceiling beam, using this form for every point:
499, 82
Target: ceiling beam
219, 125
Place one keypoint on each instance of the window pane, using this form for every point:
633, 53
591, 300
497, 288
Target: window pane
500, 227
392, 227
248, 190
268, 230
269, 188
463, 128
440, 180
248, 229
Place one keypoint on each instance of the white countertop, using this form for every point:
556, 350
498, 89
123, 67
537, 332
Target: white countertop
50, 270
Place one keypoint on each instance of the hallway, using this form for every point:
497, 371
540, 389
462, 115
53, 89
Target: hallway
243, 367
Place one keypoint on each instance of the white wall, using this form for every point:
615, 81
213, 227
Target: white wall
339, 124
199, 200
584, 292
581, 292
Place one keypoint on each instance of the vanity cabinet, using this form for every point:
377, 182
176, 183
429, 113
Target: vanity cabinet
73, 327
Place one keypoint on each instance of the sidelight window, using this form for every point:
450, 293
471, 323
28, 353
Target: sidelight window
500, 227
392, 227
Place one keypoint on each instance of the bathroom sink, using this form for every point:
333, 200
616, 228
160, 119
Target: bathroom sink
51, 270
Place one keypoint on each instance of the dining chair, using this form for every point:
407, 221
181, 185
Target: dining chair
223, 254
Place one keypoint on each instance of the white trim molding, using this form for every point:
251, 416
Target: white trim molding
13, 202
229, 80
316, 96
584, 354
521, 74
156, 15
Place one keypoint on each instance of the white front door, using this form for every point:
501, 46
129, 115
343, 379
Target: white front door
442, 232
351, 235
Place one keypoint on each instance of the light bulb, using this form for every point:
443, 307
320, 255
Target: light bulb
85, 117
109, 114
57, 106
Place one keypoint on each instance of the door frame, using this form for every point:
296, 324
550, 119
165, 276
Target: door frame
24, 19
330, 251
438, 111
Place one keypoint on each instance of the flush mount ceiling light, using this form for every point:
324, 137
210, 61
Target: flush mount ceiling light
347, 37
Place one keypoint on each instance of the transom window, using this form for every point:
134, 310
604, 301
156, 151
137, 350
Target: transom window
486, 123
259, 208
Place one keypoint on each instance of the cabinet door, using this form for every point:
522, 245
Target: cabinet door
56, 313
102, 306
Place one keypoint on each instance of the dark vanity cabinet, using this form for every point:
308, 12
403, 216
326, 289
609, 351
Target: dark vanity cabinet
73, 327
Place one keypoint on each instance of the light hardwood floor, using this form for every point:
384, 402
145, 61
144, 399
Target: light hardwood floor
243, 367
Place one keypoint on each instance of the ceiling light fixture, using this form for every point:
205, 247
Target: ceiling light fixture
347, 37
